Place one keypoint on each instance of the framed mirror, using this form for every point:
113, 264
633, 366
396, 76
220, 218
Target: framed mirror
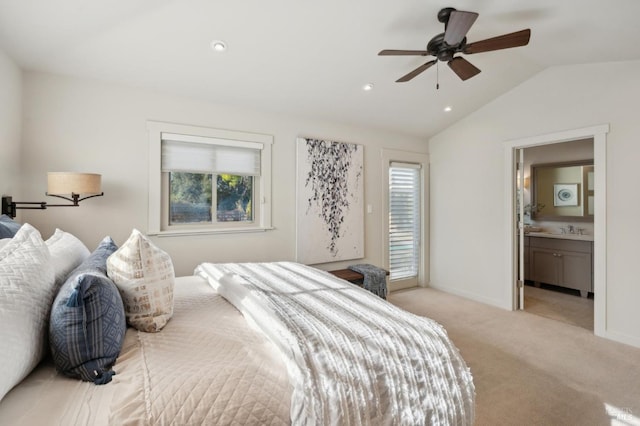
562, 191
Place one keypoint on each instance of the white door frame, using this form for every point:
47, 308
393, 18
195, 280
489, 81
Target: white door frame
387, 157
599, 135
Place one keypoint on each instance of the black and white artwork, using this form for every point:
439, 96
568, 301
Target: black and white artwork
329, 213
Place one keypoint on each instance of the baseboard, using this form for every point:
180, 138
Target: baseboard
472, 296
621, 338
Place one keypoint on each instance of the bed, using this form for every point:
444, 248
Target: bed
264, 343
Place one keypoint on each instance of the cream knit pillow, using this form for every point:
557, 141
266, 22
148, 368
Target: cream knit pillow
67, 252
144, 275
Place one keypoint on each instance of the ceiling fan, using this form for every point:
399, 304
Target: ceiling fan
445, 45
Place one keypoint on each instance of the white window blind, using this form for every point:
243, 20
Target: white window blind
182, 153
404, 220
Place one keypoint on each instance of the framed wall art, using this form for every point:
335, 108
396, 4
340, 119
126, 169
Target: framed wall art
329, 201
565, 194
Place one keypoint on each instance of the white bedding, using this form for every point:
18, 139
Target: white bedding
352, 357
205, 367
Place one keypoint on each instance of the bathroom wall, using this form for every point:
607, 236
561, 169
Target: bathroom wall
556, 153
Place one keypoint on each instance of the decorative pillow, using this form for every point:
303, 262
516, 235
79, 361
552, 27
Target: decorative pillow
67, 252
145, 277
8, 226
26, 291
87, 324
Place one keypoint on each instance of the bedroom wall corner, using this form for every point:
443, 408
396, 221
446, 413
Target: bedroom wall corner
10, 125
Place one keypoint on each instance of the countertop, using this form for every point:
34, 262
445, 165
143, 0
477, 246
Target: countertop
560, 236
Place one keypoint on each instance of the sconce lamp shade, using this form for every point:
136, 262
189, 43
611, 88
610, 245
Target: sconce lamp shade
73, 187
66, 183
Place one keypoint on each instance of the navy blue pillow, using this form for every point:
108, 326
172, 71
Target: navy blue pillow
8, 226
88, 324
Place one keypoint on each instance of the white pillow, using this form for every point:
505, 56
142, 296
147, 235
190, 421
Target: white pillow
144, 275
67, 252
26, 295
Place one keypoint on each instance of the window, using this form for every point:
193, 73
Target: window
207, 180
404, 221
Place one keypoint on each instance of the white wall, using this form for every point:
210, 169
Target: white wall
468, 255
10, 123
82, 125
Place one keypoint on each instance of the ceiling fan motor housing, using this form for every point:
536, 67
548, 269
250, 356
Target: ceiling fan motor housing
444, 14
442, 50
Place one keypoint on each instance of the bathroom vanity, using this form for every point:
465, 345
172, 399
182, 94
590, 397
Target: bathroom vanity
564, 260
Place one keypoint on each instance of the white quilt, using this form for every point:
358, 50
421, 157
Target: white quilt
353, 359
206, 367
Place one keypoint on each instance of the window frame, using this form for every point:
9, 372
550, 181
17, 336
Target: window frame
416, 216
159, 185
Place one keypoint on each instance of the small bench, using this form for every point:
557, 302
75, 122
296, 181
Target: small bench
349, 275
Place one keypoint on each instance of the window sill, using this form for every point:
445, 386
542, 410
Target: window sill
187, 232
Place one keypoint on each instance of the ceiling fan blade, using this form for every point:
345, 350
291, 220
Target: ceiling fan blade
391, 52
506, 41
459, 24
463, 68
415, 72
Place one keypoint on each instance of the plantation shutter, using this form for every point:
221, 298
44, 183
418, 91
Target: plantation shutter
197, 154
404, 220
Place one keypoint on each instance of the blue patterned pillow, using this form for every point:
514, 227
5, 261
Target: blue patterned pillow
8, 227
88, 324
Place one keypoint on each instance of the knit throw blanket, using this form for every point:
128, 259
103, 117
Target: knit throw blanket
353, 359
375, 279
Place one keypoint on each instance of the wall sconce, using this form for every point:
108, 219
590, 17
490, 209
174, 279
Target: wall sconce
526, 182
73, 187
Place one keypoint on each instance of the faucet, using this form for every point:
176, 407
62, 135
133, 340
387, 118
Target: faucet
572, 230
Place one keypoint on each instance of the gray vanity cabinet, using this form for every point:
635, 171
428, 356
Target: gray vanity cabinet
565, 263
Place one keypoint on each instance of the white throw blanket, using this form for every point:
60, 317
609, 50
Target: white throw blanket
353, 358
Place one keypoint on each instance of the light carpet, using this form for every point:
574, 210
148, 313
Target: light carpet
531, 370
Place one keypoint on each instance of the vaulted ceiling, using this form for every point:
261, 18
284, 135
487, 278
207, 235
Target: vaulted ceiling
312, 58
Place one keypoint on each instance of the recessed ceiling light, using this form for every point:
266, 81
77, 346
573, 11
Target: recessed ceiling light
218, 46
447, 109
367, 87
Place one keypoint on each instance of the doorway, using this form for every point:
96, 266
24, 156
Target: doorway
514, 283
558, 231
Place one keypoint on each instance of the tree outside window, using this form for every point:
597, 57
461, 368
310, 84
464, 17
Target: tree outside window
191, 198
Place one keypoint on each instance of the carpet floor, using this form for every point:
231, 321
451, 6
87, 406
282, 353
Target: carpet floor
531, 370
